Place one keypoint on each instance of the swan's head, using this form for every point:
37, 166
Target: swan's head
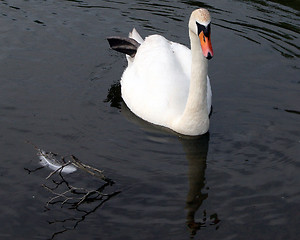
199, 24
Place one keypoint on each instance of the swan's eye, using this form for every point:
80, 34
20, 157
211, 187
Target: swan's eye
202, 28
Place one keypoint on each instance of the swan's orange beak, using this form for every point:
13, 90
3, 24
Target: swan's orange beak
206, 46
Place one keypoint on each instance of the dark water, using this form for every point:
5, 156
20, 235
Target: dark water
58, 80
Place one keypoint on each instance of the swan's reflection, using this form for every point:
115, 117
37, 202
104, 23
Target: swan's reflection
196, 152
195, 148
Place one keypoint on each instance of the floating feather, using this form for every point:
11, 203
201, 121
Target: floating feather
50, 160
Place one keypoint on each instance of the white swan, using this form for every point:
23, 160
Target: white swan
166, 83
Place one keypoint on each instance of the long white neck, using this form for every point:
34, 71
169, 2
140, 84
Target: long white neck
194, 120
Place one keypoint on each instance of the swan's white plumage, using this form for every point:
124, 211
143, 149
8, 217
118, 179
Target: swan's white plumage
155, 85
136, 36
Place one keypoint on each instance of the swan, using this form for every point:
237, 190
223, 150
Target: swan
166, 83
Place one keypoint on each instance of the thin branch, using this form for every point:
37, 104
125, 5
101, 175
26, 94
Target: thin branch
91, 170
76, 197
58, 195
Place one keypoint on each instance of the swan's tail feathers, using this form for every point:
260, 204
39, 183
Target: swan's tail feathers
136, 36
128, 46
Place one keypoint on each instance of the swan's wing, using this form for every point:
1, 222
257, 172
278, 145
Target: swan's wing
183, 56
128, 46
136, 36
156, 80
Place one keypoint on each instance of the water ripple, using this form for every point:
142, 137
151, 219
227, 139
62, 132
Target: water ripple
266, 22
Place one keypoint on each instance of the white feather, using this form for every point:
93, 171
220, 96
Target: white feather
49, 160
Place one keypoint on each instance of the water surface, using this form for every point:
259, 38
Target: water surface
59, 90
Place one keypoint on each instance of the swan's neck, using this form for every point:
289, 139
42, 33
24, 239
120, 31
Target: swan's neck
194, 120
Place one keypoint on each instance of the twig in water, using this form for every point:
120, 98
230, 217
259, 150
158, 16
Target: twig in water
67, 193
